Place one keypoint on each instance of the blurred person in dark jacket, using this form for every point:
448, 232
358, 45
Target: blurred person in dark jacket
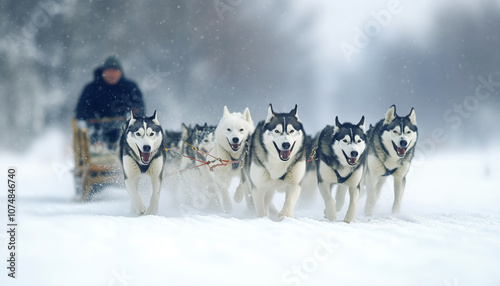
105, 103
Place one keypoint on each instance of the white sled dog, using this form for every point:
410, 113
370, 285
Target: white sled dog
341, 155
231, 144
391, 145
142, 154
276, 162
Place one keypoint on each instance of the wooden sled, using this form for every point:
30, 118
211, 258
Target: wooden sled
93, 172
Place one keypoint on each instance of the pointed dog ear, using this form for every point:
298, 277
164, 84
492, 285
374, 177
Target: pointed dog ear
295, 113
226, 111
337, 125
270, 113
412, 116
247, 116
390, 115
132, 118
184, 132
361, 123
155, 118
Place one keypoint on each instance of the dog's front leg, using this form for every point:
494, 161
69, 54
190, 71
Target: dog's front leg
222, 181
132, 189
155, 197
226, 200
227, 206
399, 189
326, 191
373, 191
291, 196
259, 201
353, 203
340, 196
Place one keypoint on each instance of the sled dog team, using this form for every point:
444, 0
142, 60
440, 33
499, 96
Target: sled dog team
276, 155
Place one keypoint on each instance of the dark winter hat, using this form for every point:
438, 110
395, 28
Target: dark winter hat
112, 62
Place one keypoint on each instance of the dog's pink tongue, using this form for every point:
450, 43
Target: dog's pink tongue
401, 151
352, 161
235, 146
145, 156
285, 154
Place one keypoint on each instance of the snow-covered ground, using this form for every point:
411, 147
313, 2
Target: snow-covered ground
448, 233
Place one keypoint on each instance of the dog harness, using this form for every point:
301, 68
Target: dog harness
389, 172
236, 165
341, 179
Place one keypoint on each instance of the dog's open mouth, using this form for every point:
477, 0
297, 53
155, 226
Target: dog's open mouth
145, 156
284, 154
400, 150
234, 146
350, 160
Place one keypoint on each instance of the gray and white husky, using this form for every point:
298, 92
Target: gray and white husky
341, 155
277, 162
142, 154
391, 145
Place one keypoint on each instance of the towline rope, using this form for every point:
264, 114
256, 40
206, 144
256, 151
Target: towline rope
203, 163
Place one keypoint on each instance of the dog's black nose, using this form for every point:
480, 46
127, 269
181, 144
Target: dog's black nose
354, 154
146, 148
285, 145
236, 140
403, 143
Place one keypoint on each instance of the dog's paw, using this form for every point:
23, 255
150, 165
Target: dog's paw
283, 214
227, 206
239, 194
349, 218
139, 210
151, 211
330, 214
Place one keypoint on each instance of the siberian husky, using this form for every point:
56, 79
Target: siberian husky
208, 198
391, 145
231, 145
277, 161
341, 155
309, 185
141, 153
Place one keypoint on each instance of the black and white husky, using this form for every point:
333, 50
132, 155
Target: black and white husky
341, 155
391, 145
142, 154
277, 161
